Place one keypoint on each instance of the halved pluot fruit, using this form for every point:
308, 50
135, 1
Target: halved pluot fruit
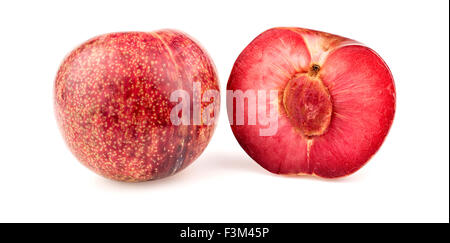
335, 102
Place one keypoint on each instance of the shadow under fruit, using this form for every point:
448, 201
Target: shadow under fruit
112, 103
335, 105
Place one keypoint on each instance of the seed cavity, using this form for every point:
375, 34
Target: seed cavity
308, 104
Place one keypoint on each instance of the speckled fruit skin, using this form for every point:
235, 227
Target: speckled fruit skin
336, 101
112, 103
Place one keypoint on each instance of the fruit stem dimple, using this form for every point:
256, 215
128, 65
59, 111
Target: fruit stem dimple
314, 70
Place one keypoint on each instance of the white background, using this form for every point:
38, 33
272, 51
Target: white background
407, 180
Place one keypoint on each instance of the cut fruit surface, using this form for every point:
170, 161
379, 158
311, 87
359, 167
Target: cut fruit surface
336, 101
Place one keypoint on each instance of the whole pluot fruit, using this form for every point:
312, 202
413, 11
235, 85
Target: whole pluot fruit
307, 102
137, 106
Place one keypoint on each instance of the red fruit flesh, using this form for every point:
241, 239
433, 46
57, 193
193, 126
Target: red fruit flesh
336, 101
112, 102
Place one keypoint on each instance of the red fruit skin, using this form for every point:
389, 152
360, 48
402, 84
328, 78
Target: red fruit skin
113, 109
362, 94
